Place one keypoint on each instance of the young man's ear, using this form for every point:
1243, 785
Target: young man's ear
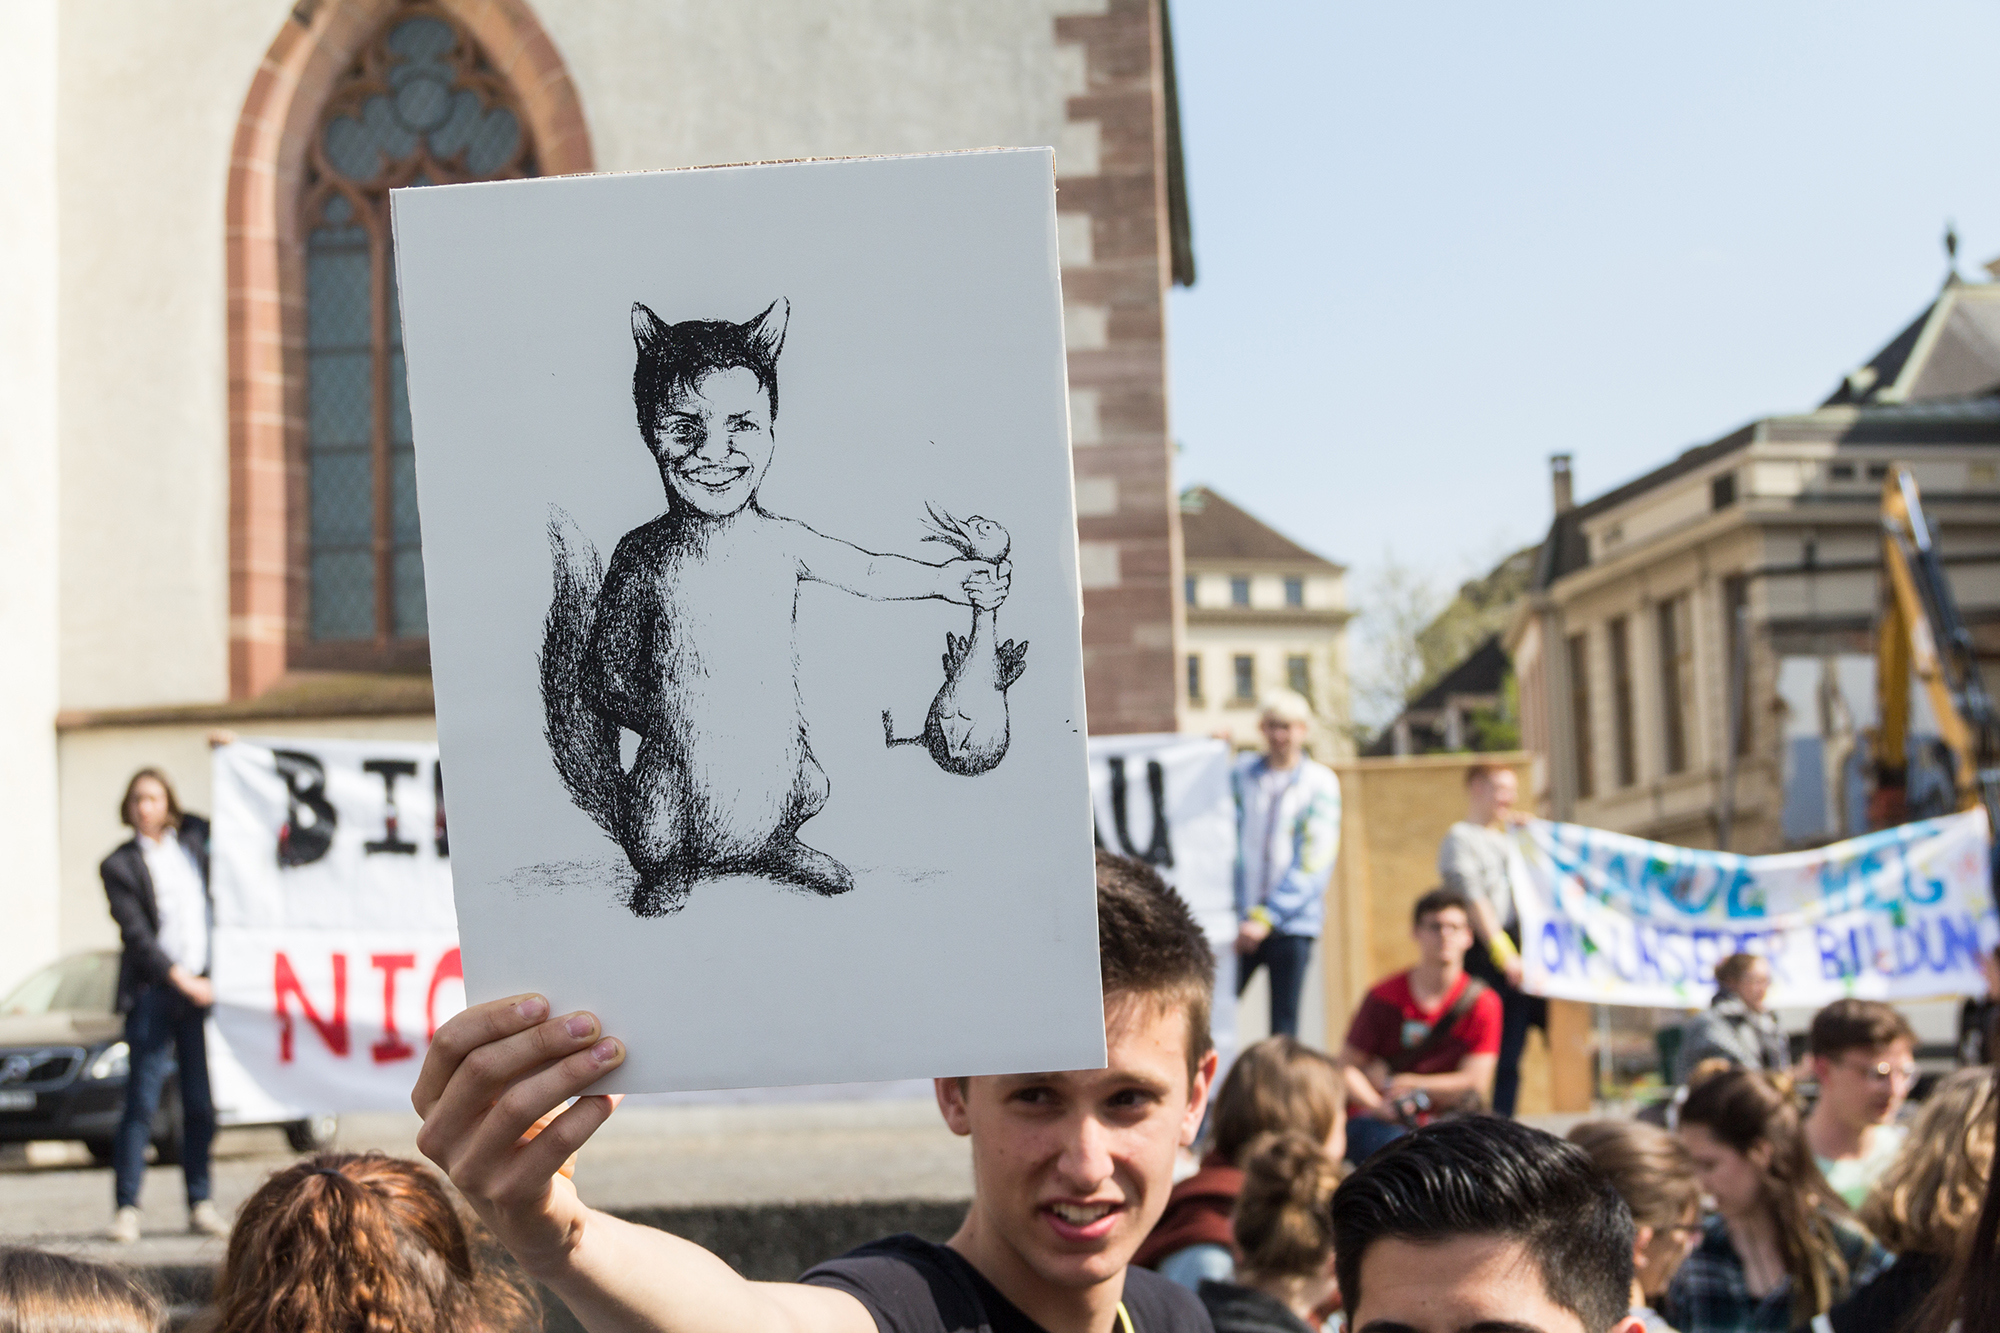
952, 1095
1204, 1079
1642, 1240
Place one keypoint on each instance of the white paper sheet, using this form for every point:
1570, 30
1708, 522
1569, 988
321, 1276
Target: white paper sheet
921, 386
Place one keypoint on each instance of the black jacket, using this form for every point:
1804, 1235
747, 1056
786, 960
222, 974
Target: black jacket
128, 887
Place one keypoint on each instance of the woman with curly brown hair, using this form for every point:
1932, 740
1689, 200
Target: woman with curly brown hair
362, 1243
1284, 1233
1781, 1247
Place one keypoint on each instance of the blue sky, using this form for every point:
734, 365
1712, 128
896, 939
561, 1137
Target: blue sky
1437, 243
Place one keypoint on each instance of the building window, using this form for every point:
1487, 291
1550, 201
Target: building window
1188, 586
1841, 472
1295, 592
1239, 591
1722, 491
1298, 676
1736, 626
1676, 669
1579, 715
419, 107
1625, 752
1246, 678
1194, 678
1877, 471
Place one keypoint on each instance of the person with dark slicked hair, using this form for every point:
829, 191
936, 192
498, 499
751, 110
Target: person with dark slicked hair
1483, 1225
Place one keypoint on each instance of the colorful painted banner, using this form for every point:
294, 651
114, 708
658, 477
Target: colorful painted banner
336, 947
1900, 914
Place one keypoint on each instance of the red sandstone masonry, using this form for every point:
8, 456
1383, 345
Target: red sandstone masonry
1131, 632
266, 308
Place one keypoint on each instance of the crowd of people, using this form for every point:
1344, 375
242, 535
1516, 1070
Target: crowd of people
1383, 1188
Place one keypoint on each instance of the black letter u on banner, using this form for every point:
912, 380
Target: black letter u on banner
1160, 850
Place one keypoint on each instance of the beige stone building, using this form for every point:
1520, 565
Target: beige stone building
1263, 613
205, 479
1695, 660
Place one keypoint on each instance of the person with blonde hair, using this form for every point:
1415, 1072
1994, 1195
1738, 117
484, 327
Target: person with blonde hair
1287, 835
1653, 1173
1781, 1248
1284, 1230
344, 1242
1925, 1203
54, 1293
1277, 1085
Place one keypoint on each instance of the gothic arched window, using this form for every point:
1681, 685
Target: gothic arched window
420, 106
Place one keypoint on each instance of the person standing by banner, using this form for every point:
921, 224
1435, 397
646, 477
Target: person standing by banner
1738, 1027
1477, 858
156, 885
1287, 835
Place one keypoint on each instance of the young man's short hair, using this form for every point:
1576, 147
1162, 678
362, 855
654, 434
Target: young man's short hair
1848, 1025
1485, 1176
1438, 900
1149, 944
1478, 771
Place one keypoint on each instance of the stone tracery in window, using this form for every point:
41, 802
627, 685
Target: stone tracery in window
420, 106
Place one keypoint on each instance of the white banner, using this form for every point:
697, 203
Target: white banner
1165, 799
1900, 914
336, 946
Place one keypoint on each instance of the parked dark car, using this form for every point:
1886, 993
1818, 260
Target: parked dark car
63, 1064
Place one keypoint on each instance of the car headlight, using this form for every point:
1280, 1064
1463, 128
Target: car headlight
114, 1061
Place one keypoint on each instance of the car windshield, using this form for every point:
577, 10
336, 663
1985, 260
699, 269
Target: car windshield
86, 981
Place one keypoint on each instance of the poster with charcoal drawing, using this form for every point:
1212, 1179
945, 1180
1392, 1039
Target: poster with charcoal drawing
750, 557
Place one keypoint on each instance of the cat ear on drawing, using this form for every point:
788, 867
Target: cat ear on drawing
647, 330
768, 328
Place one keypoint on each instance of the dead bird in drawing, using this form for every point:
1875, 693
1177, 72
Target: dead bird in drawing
966, 731
687, 639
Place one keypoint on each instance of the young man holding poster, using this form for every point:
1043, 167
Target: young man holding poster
1070, 1170
1477, 858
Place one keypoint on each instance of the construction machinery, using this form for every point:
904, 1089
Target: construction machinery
1921, 633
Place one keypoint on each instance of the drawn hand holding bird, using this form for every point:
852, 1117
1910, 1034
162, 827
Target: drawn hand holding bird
966, 731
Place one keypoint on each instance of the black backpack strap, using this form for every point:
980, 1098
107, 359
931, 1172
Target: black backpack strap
1441, 1030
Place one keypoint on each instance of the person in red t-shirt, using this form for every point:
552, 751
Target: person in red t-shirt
1426, 1039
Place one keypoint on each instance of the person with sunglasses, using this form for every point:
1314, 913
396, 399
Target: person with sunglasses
1864, 1058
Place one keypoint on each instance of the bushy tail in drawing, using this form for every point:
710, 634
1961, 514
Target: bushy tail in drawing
583, 743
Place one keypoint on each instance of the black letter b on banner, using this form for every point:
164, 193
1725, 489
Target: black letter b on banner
310, 818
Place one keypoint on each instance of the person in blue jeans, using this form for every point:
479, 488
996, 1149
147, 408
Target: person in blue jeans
1287, 835
157, 887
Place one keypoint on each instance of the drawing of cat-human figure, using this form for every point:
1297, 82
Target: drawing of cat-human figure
687, 639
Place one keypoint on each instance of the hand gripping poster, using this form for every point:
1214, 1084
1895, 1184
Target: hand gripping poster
1899, 914
750, 555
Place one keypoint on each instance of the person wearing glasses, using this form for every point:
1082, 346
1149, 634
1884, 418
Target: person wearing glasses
1864, 1057
1424, 1042
1653, 1173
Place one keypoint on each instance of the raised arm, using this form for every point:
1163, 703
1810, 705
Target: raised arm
897, 578
492, 1073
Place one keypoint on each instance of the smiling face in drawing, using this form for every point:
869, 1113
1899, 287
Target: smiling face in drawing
713, 441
